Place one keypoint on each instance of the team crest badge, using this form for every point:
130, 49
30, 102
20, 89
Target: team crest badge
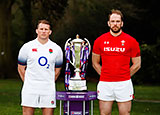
50, 51
52, 102
122, 42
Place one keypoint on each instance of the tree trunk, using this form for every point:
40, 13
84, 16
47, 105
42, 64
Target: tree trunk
5, 39
26, 9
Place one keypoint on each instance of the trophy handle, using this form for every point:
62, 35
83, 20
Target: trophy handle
70, 45
66, 44
89, 45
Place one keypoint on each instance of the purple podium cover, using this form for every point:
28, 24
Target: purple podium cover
76, 96
78, 102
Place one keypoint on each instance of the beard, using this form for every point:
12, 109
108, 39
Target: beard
115, 30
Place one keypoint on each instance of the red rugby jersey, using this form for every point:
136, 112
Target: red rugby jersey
115, 54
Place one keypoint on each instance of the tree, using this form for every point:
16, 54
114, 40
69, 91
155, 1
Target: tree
27, 12
31, 11
88, 18
5, 37
34, 10
52, 10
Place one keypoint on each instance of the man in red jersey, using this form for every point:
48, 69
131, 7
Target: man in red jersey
115, 48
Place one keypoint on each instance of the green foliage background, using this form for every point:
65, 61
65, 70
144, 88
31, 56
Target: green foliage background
88, 18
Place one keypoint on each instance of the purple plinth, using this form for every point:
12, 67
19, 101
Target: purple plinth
77, 103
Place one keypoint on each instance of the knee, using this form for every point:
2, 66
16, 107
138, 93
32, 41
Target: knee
105, 112
125, 112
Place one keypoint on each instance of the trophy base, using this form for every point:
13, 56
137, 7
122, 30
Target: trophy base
77, 85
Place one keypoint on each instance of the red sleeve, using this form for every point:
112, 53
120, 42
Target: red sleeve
96, 46
135, 50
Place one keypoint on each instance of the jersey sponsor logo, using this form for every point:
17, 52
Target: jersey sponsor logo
114, 49
43, 61
34, 50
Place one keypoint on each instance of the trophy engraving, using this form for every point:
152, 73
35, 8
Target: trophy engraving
76, 52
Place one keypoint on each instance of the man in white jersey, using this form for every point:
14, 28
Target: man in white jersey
39, 65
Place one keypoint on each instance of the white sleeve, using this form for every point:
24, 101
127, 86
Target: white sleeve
59, 58
22, 56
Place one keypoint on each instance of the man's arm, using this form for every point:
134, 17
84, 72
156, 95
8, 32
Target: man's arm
136, 65
57, 72
96, 63
21, 71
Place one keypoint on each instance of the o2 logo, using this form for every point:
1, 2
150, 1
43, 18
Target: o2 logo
43, 62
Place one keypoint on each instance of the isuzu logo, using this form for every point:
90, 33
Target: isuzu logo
114, 49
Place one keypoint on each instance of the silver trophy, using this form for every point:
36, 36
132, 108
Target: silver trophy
77, 52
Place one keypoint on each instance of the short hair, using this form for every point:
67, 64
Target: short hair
44, 22
115, 11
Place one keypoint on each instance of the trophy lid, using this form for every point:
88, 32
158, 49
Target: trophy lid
77, 36
77, 39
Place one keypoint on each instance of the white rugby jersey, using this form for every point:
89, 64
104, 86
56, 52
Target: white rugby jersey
41, 61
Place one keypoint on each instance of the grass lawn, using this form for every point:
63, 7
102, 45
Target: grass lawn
147, 99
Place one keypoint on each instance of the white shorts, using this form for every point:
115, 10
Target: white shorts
115, 91
38, 101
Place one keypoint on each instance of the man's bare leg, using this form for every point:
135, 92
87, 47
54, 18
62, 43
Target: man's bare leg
105, 107
124, 108
28, 110
48, 111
